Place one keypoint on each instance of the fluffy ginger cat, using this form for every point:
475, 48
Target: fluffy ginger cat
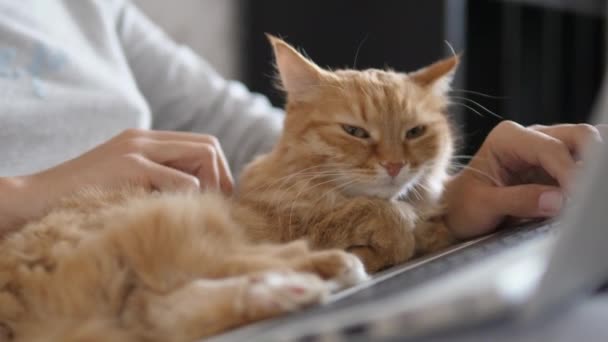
131, 265
353, 142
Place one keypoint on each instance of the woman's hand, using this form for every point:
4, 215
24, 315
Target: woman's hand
165, 161
518, 172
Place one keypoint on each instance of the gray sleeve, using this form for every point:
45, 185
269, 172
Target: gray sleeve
185, 93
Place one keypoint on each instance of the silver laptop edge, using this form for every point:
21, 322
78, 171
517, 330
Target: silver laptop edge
578, 260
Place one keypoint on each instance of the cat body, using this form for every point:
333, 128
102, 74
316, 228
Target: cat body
130, 265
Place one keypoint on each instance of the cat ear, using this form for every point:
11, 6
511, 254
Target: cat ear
298, 74
437, 76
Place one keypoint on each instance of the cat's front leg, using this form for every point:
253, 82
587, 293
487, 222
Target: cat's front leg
377, 231
432, 235
386, 244
429, 228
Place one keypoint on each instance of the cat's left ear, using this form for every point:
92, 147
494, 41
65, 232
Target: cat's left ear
437, 76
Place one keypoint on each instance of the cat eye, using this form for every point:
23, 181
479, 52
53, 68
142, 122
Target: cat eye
355, 131
415, 132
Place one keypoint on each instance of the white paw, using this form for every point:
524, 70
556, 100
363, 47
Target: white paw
286, 291
353, 274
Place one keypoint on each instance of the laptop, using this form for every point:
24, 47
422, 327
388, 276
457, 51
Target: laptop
520, 273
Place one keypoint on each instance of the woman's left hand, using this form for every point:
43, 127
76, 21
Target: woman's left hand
522, 172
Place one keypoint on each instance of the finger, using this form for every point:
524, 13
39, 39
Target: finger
163, 178
516, 143
576, 136
205, 160
131, 134
209, 172
526, 201
226, 179
225, 176
603, 129
555, 158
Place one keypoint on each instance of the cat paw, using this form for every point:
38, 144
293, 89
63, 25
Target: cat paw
272, 293
339, 268
352, 274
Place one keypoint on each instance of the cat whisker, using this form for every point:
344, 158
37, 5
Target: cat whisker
307, 176
490, 177
479, 105
415, 192
342, 186
339, 187
282, 192
304, 187
468, 157
423, 187
298, 195
468, 107
359, 48
473, 109
462, 157
478, 93
305, 171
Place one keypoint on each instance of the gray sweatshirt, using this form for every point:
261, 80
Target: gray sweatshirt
74, 73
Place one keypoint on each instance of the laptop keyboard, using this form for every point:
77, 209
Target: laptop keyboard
416, 272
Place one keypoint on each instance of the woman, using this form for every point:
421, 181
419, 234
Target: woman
98, 76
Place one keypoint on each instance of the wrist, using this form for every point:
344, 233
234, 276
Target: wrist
17, 204
12, 206
451, 201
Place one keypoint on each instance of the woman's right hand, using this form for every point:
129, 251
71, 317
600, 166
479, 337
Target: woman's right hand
160, 160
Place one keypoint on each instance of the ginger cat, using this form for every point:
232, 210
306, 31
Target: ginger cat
130, 265
353, 142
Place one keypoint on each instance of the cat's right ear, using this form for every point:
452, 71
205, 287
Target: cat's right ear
438, 76
298, 75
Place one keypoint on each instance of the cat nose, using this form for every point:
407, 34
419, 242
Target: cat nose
393, 168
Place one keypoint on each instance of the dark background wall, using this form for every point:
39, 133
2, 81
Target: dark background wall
545, 64
534, 64
401, 34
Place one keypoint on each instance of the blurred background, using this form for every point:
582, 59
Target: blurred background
532, 61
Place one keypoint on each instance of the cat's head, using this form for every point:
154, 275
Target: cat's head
374, 132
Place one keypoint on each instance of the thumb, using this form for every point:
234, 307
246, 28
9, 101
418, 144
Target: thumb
528, 200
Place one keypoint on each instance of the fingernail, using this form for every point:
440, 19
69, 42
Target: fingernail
550, 202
